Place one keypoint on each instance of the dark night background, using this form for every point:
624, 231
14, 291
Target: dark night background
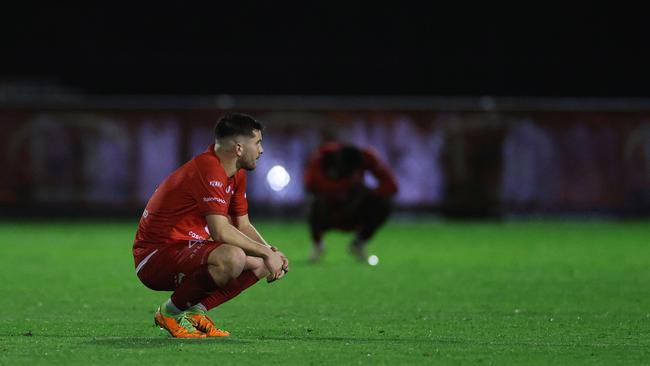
536, 50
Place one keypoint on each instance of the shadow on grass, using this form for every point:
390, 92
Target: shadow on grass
153, 342
144, 342
139, 342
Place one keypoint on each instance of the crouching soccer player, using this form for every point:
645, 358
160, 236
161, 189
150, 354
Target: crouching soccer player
195, 238
341, 199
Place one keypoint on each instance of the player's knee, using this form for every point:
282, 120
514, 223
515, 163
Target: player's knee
228, 259
235, 259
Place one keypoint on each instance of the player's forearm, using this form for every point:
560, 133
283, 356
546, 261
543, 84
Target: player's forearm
229, 234
250, 231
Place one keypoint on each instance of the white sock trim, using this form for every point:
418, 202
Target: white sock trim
172, 308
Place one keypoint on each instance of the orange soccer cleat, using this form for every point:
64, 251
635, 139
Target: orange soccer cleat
179, 326
201, 321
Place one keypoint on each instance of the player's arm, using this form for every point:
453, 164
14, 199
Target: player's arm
244, 225
223, 231
387, 182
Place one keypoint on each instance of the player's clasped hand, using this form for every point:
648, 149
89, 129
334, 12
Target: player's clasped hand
277, 264
285, 260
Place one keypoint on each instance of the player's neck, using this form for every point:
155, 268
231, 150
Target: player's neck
228, 163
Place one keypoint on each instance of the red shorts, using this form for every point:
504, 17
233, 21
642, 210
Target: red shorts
165, 265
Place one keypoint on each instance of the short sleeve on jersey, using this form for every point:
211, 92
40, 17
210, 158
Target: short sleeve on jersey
238, 202
210, 193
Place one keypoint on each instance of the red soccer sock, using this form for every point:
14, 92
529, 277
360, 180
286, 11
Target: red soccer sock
233, 288
194, 288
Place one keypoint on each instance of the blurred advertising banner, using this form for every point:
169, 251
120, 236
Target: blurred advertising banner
449, 158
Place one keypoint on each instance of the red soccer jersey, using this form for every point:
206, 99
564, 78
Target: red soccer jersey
339, 189
177, 209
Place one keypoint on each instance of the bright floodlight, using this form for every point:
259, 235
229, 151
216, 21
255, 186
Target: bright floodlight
278, 178
373, 260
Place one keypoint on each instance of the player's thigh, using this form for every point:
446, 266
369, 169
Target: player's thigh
167, 268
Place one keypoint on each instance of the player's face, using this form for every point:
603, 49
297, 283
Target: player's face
251, 151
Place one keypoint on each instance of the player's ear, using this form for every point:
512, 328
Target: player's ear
239, 148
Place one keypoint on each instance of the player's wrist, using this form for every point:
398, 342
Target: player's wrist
266, 252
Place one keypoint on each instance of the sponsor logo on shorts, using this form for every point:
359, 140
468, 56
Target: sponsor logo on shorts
218, 199
191, 243
216, 183
197, 244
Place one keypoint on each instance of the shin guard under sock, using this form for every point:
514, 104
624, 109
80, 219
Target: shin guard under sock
194, 288
233, 288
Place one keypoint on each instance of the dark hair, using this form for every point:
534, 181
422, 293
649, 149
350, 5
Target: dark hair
343, 162
236, 124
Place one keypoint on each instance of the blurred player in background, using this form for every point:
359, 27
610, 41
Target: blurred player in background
195, 237
335, 176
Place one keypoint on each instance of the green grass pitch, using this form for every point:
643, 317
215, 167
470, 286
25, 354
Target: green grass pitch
523, 293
